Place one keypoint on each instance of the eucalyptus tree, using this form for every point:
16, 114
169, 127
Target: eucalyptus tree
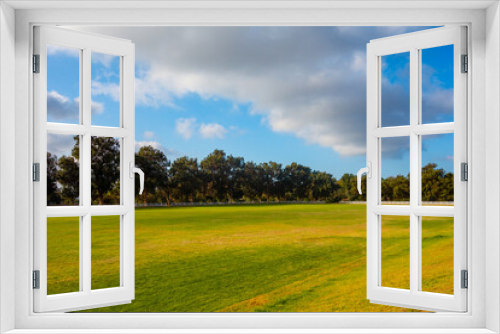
186, 180
236, 171
154, 164
105, 166
297, 178
53, 195
216, 171
68, 176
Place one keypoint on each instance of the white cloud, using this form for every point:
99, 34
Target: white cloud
106, 88
358, 62
153, 144
60, 144
103, 58
61, 108
185, 127
97, 57
212, 130
148, 134
306, 81
437, 101
97, 107
53, 50
151, 91
158, 146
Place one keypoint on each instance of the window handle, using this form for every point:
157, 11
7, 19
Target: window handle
368, 171
134, 170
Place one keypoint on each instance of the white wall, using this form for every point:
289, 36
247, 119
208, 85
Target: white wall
478, 126
492, 165
7, 160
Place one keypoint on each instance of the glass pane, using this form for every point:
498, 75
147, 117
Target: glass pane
437, 84
106, 91
63, 170
395, 252
437, 254
395, 94
63, 255
63, 84
395, 170
105, 171
105, 252
437, 169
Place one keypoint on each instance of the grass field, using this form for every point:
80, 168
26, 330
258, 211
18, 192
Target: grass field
259, 258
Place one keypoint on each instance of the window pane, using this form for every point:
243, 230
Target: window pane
63, 170
395, 252
105, 252
395, 170
63, 84
437, 169
437, 254
63, 255
106, 91
437, 84
395, 94
105, 171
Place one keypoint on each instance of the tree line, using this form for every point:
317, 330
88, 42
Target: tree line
220, 178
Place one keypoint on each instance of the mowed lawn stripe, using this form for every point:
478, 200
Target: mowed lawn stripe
260, 258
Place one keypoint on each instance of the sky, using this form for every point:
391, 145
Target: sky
279, 94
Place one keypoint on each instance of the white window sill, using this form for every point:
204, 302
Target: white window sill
251, 331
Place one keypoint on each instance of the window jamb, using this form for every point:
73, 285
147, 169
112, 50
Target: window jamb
26, 319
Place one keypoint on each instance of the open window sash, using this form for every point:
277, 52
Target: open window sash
414, 43
83, 43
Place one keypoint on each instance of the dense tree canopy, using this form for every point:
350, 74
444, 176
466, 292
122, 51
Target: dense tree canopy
155, 165
221, 178
53, 196
105, 169
185, 177
68, 176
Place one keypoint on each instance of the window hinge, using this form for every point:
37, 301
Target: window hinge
465, 279
465, 64
36, 63
464, 171
36, 279
36, 172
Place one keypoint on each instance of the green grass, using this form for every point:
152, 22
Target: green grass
259, 258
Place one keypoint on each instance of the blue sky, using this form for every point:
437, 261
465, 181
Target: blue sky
264, 93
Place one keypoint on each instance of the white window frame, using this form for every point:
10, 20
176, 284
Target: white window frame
86, 44
483, 212
414, 43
